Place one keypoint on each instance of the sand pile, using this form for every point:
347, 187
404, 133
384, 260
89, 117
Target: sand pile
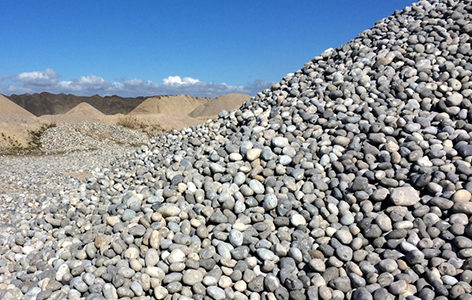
15, 123
84, 109
215, 106
83, 112
173, 105
177, 112
12, 113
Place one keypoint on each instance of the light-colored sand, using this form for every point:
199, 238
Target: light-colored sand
168, 121
214, 107
85, 109
11, 113
11, 133
181, 111
178, 105
83, 112
15, 123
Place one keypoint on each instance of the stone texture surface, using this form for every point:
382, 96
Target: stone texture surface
359, 188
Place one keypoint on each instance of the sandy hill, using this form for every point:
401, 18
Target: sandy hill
179, 104
83, 112
85, 109
225, 102
52, 104
13, 113
15, 123
177, 112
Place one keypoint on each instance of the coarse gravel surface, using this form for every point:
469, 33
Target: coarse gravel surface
70, 153
351, 178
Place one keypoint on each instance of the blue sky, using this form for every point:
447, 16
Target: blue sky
202, 48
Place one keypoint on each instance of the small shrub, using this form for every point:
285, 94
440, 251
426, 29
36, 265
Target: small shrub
34, 142
14, 147
130, 122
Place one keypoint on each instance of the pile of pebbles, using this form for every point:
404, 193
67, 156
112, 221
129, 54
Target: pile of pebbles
31, 181
89, 136
349, 179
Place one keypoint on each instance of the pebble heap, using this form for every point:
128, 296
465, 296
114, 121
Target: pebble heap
89, 136
351, 178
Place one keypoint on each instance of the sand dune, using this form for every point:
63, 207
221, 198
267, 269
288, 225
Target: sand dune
225, 102
83, 112
181, 111
13, 113
85, 109
179, 105
15, 123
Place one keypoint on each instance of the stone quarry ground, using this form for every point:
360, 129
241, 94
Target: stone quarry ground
351, 178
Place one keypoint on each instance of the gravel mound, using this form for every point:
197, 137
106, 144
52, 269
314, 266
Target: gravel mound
27, 182
351, 178
89, 136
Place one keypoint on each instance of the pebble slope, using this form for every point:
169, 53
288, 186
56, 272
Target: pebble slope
366, 150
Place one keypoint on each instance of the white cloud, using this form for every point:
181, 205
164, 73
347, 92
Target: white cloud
133, 82
91, 80
65, 85
177, 80
48, 81
45, 77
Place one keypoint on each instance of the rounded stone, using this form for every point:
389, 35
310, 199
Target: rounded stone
405, 196
236, 238
160, 292
297, 220
191, 277
454, 99
399, 287
152, 257
169, 210
216, 293
253, 154
344, 236
362, 293
279, 141
270, 201
461, 196
176, 256
109, 291
256, 186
